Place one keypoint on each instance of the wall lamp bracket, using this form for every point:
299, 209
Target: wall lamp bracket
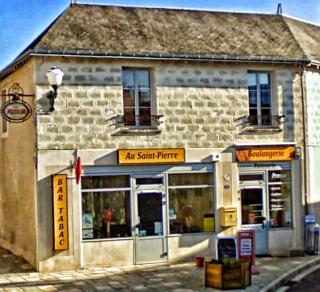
54, 76
52, 95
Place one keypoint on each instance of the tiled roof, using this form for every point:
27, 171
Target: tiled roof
113, 29
308, 37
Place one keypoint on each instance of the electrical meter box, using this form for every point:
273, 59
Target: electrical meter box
228, 216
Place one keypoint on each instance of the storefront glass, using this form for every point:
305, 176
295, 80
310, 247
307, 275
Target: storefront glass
279, 187
191, 203
106, 212
109, 204
266, 194
101, 182
252, 206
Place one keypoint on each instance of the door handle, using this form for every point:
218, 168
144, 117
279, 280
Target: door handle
163, 255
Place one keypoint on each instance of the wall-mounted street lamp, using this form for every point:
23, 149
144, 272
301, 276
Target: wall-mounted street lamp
54, 76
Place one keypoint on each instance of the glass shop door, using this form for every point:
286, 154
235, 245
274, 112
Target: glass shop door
150, 224
253, 215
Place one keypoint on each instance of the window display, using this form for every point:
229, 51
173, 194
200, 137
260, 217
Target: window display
150, 214
190, 202
105, 214
102, 182
280, 198
252, 206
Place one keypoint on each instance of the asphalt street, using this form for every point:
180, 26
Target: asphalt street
309, 283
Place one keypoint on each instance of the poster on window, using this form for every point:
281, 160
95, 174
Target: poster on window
158, 228
87, 221
172, 214
278, 195
87, 233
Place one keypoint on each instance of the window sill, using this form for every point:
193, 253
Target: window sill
142, 130
280, 228
138, 131
192, 234
275, 124
261, 129
106, 239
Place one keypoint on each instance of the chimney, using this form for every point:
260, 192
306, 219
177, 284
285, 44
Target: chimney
279, 9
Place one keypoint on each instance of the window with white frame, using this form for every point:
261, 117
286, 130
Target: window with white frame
260, 100
280, 196
137, 101
191, 202
106, 206
4, 123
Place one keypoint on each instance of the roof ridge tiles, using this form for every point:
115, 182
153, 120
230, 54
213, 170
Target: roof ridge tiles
177, 32
173, 8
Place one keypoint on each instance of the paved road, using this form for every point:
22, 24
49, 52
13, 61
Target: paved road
10, 263
309, 283
16, 275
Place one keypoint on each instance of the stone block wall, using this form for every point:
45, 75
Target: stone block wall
203, 105
313, 139
313, 107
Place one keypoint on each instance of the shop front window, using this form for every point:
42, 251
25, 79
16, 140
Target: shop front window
106, 207
279, 186
191, 203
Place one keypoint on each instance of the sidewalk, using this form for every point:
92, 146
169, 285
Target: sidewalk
176, 277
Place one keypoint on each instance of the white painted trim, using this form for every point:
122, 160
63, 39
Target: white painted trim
264, 143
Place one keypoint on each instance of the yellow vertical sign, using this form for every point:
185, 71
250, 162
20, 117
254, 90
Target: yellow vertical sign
60, 212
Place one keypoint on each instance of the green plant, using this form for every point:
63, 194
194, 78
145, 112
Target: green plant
227, 264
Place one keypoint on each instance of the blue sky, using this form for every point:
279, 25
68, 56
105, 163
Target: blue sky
21, 21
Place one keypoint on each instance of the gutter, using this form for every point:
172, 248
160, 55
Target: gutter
305, 142
15, 64
145, 56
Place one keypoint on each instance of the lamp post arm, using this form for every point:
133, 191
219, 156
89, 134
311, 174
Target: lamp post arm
52, 95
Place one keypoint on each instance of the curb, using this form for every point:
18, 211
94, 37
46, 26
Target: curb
280, 281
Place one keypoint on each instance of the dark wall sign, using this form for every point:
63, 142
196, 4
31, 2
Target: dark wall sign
16, 111
226, 248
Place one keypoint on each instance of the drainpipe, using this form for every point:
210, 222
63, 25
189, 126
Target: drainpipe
305, 151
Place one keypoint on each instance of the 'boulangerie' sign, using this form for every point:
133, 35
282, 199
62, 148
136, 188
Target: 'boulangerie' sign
266, 154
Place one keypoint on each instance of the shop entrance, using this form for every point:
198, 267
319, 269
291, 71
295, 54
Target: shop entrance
150, 214
253, 215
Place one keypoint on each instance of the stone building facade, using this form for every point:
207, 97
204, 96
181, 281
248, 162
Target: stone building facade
237, 125
204, 105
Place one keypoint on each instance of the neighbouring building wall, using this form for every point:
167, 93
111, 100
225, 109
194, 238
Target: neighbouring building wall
18, 175
313, 139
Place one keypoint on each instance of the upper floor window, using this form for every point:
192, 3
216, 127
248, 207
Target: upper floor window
260, 102
136, 97
4, 123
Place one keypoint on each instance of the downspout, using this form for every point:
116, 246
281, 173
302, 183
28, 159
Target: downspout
35, 82
304, 128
